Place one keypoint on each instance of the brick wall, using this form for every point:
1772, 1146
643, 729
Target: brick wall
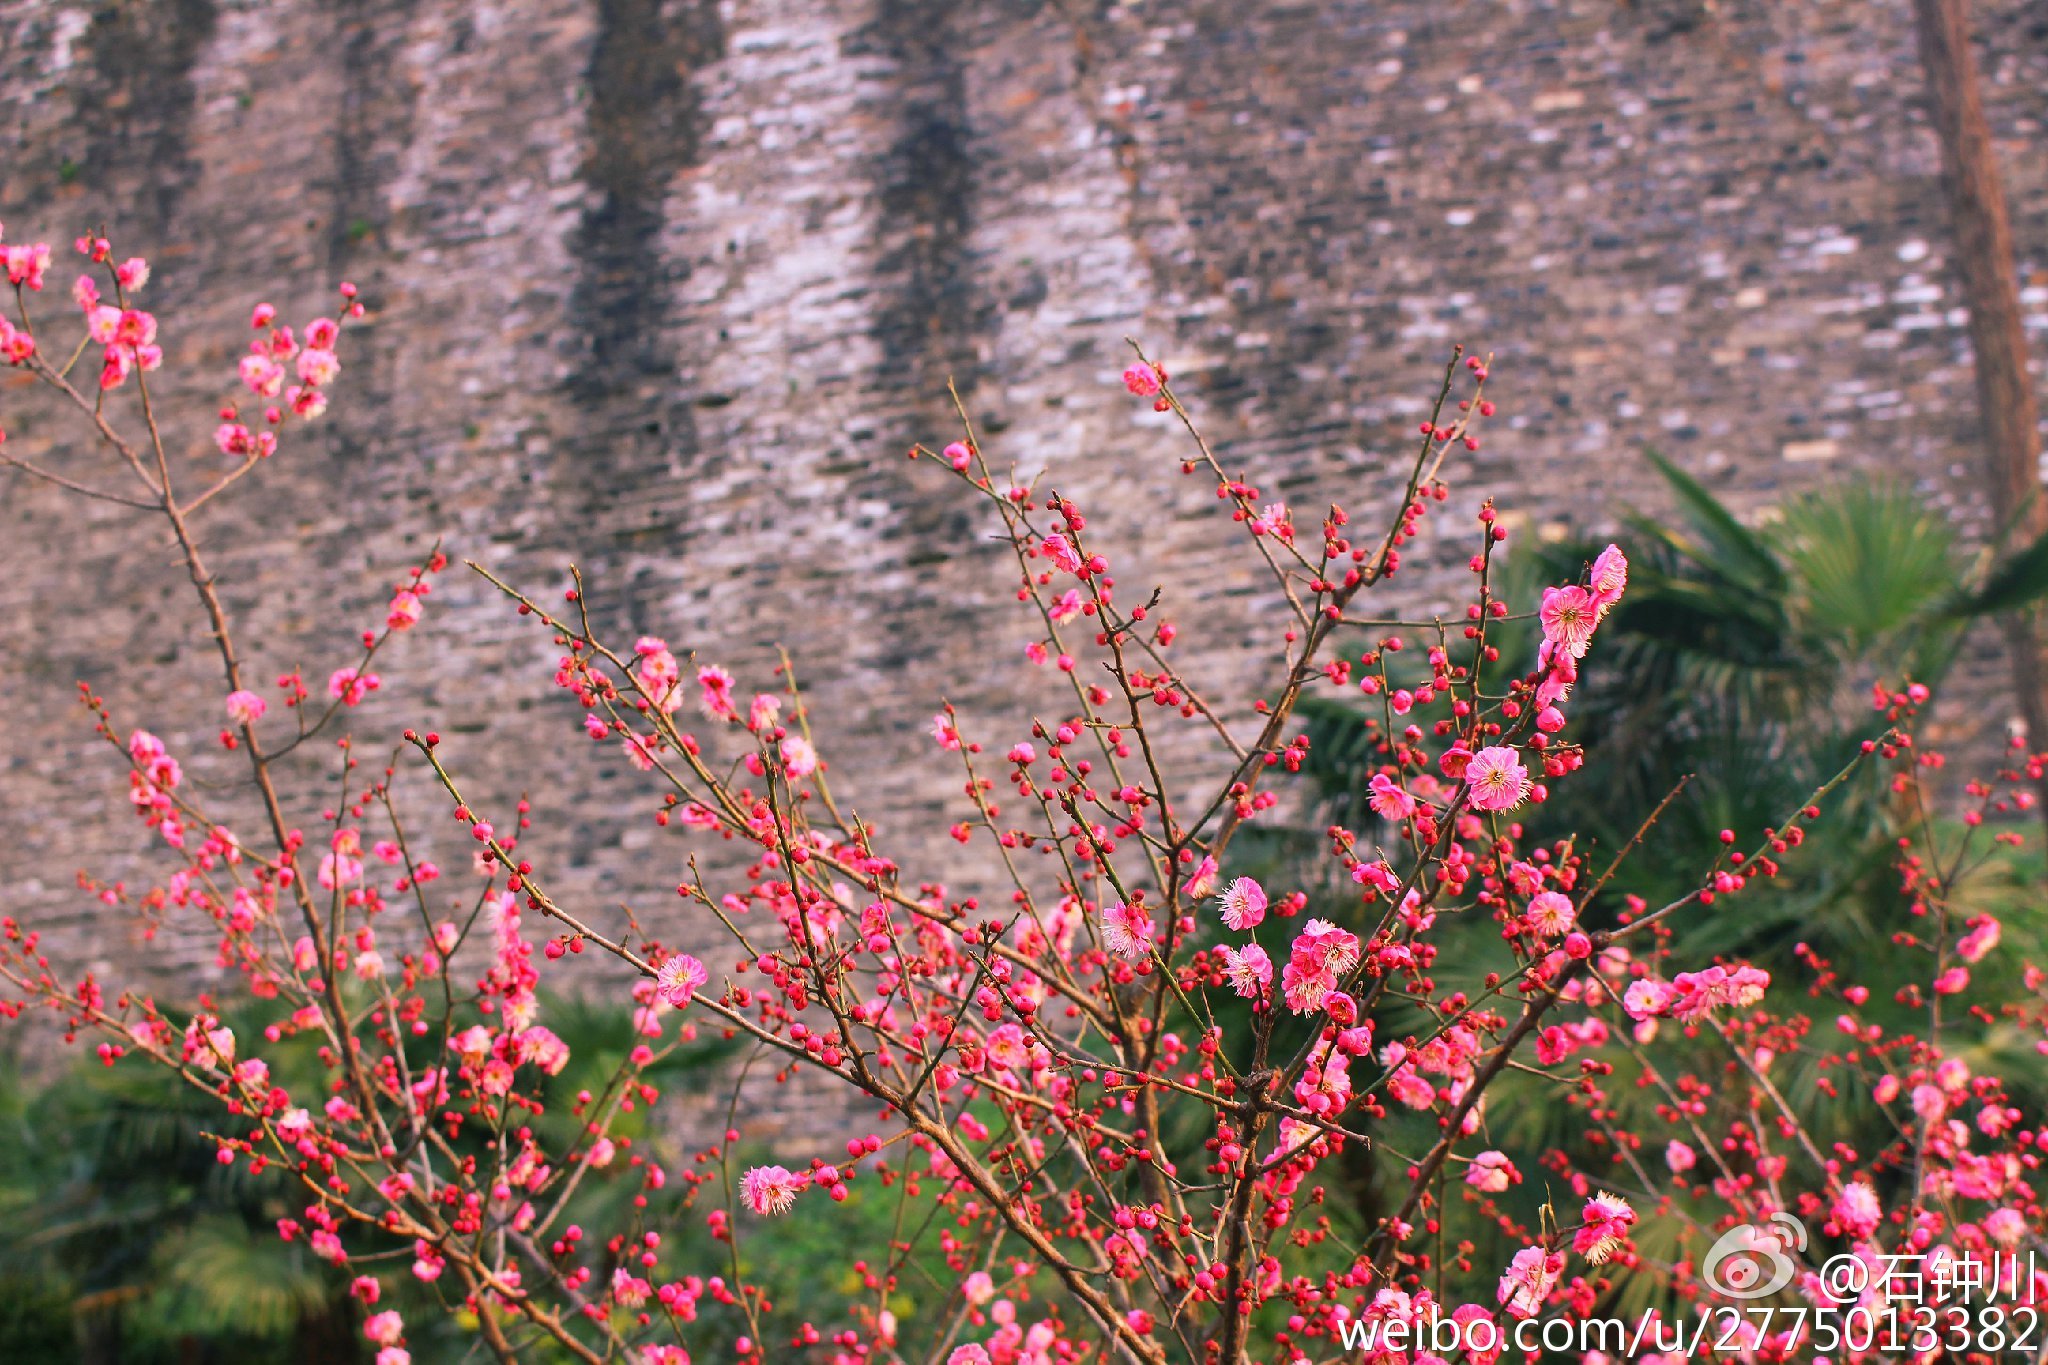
668, 288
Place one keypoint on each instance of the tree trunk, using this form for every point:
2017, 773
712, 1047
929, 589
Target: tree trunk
1983, 255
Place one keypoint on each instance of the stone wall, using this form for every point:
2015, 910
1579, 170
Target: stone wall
669, 288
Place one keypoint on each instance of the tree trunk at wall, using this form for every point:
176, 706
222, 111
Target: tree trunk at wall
1984, 261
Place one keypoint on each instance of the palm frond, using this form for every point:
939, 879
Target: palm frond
1867, 561
2016, 582
219, 1276
1718, 536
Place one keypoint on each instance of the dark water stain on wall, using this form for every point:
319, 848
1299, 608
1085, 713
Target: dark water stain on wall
373, 121
117, 157
932, 314
1278, 277
371, 127
645, 125
134, 107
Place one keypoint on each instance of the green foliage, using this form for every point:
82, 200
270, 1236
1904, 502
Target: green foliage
1738, 663
135, 1245
2017, 582
1717, 536
155, 1250
35, 1320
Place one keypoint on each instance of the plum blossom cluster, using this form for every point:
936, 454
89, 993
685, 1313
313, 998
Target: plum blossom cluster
1115, 1082
277, 356
126, 341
